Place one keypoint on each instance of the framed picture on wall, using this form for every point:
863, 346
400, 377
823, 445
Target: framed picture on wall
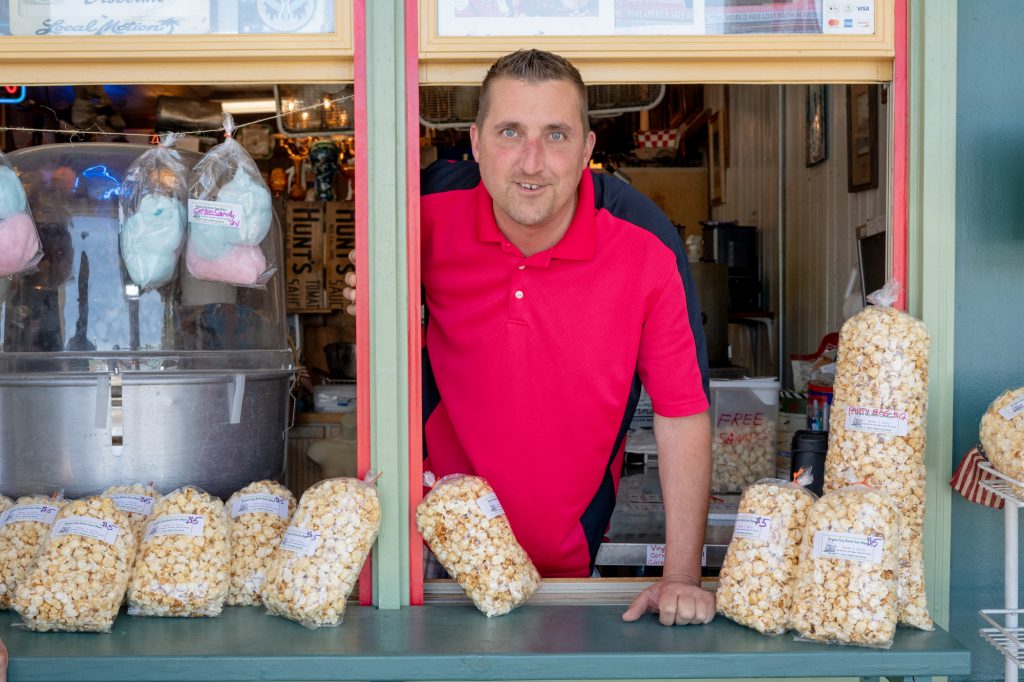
862, 137
716, 159
817, 131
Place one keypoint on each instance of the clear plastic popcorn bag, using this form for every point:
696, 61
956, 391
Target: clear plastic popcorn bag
20, 249
153, 209
136, 502
184, 561
755, 583
259, 513
23, 529
1002, 435
465, 527
5, 502
846, 586
79, 579
230, 216
315, 568
877, 427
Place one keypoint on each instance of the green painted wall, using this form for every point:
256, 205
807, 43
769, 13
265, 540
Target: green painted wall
990, 286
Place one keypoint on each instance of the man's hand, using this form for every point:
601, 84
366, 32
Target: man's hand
677, 601
349, 292
3, 662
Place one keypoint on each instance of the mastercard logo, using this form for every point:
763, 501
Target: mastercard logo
833, 22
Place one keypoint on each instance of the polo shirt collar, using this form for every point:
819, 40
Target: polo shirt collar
578, 243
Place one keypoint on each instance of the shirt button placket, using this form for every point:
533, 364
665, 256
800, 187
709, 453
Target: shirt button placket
518, 295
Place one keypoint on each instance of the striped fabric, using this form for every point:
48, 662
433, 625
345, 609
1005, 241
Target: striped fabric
967, 477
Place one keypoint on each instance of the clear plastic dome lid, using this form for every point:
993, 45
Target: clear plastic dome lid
81, 311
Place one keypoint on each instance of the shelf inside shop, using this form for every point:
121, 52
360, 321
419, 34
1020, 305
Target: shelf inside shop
1008, 640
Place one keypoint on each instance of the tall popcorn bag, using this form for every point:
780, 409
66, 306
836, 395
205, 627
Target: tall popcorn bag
877, 427
230, 216
20, 248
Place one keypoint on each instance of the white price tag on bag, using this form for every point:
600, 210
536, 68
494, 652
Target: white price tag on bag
176, 524
866, 549
220, 213
1013, 409
490, 505
43, 513
86, 526
300, 541
876, 420
752, 527
136, 504
260, 502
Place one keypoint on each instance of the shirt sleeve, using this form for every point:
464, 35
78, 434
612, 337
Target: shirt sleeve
669, 362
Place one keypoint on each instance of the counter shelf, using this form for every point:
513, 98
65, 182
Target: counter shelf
534, 642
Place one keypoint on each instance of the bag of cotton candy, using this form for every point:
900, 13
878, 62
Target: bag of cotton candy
154, 196
229, 217
19, 242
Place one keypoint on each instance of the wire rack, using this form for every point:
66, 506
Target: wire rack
1006, 637
1009, 640
1001, 484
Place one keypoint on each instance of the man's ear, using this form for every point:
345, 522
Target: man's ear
474, 141
591, 141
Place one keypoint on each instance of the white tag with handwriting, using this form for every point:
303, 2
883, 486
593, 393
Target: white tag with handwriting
87, 527
866, 549
752, 526
176, 524
300, 540
136, 504
490, 505
260, 502
43, 513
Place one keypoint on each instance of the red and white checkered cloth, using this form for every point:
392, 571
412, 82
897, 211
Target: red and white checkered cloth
968, 476
658, 139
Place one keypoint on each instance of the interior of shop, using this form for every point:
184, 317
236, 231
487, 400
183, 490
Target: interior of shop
779, 194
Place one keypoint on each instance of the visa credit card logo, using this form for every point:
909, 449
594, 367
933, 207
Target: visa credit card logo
12, 94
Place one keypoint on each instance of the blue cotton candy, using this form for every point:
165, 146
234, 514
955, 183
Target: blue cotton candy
151, 240
12, 194
254, 198
211, 242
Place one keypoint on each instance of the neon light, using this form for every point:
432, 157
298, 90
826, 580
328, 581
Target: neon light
12, 94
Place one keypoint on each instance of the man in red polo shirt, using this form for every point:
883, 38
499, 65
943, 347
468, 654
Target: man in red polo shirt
551, 294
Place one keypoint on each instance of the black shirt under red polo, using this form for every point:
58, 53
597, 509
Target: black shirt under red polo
532, 365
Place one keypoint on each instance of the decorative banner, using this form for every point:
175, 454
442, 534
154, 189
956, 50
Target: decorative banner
168, 17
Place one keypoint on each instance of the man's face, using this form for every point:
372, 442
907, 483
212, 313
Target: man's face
532, 149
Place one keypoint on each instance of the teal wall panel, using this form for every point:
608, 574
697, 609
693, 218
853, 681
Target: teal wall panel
990, 287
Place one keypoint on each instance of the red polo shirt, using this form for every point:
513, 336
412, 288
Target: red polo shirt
532, 365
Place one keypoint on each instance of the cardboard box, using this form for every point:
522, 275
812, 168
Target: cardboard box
340, 240
304, 268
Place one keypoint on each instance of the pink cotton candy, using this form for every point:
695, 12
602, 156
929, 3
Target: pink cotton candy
243, 265
19, 244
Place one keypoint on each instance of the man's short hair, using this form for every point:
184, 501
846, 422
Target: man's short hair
534, 66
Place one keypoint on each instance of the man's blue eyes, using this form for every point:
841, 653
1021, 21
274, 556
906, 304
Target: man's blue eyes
555, 135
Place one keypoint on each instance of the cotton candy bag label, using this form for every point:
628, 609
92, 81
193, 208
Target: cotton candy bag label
220, 213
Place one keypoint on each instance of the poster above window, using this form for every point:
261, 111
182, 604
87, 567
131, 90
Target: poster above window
456, 18
164, 17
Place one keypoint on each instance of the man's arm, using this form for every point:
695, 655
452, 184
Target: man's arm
3, 662
684, 464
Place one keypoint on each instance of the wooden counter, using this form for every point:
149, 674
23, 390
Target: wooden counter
454, 643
